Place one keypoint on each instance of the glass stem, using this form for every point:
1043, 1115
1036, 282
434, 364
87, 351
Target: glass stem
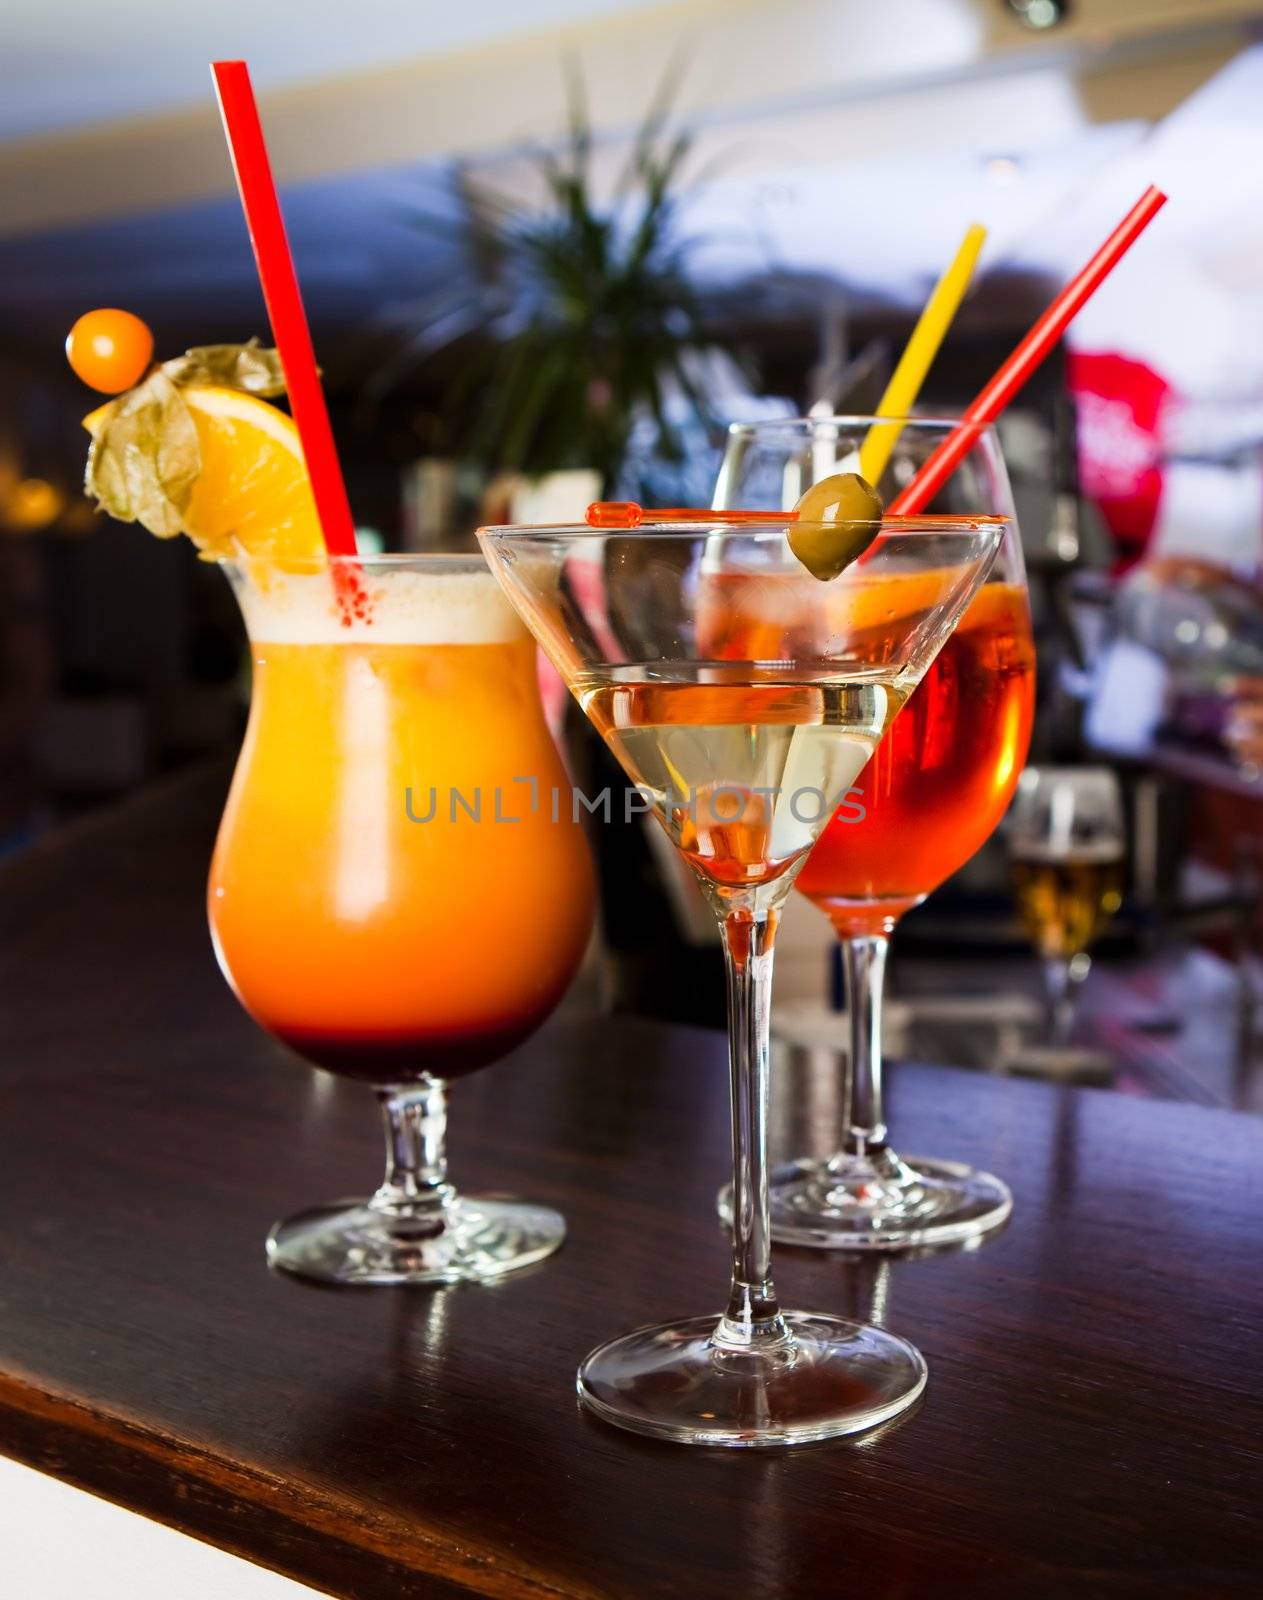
1060, 988
865, 961
753, 1320
415, 1189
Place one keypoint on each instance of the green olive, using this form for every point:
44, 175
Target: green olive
838, 518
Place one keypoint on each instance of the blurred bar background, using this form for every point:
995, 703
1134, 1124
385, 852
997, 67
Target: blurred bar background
745, 203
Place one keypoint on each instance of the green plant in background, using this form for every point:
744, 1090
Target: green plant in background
575, 316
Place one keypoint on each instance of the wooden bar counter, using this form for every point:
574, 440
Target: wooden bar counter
1092, 1424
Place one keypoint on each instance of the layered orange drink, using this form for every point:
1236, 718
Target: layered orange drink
390, 894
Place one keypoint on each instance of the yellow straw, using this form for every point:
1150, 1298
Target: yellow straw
933, 323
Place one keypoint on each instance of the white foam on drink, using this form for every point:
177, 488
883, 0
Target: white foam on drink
399, 607
1090, 853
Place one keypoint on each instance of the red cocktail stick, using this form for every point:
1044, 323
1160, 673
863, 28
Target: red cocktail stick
621, 514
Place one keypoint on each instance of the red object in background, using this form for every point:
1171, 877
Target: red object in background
1119, 404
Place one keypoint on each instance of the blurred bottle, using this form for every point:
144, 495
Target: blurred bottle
1206, 623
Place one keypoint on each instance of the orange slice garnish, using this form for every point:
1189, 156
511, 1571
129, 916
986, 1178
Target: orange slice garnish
252, 497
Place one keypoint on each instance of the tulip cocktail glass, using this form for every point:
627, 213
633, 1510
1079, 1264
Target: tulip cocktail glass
366, 907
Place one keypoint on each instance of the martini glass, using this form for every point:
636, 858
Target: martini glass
933, 793
741, 761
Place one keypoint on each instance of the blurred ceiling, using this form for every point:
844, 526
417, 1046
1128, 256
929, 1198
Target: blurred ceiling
70, 63
849, 138
116, 116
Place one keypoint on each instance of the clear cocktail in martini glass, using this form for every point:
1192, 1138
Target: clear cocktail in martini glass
743, 763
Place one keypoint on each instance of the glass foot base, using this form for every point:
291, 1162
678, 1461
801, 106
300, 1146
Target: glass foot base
882, 1202
832, 1378
353, 1242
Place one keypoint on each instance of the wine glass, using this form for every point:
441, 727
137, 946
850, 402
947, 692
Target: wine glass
375, 889
934, 791
1067, 845
741, 760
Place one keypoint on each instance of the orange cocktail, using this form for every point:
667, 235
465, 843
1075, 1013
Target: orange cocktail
367, 905
946, 768
933, 791
942, 777
394, 892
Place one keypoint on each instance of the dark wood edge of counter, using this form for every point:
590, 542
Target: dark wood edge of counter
317, 1540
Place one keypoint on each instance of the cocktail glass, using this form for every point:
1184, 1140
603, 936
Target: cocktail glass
741, 760
934, 791
375, 890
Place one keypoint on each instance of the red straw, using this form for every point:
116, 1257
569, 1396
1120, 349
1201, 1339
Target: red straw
1014, 372
285, 306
